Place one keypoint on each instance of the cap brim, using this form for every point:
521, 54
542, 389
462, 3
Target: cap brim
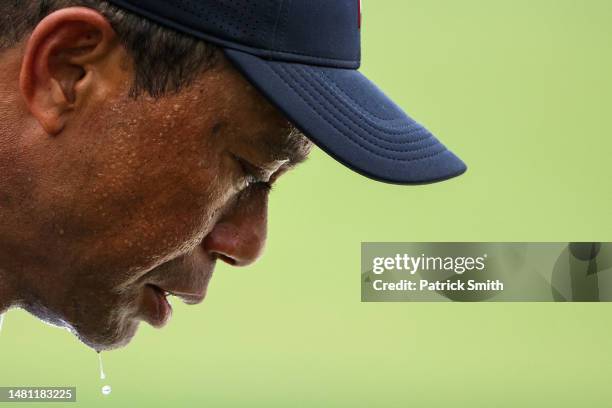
351, 119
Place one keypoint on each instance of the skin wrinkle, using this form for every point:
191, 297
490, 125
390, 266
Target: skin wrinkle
132, 191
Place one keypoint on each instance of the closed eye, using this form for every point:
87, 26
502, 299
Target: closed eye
254, 175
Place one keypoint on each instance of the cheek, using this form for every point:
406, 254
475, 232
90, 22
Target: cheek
157, 192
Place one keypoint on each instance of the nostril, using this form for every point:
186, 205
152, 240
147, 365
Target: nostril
237, 244
227, 259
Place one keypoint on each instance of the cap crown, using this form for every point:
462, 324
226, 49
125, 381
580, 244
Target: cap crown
320, 32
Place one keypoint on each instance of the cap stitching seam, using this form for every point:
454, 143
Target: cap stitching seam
361, 137
276, 24
404, 143
285, 25
391, 129
348, 125
350, 100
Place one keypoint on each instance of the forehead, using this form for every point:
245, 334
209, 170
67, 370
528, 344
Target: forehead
250, 118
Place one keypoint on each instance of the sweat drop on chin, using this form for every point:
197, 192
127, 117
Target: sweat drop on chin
106, 390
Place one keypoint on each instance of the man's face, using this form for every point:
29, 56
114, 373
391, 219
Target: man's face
139, 197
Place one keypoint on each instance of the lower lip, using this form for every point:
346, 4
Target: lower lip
157, 310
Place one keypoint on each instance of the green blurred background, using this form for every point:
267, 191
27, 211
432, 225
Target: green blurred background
522, 91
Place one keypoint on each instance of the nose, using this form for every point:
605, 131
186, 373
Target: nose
239, 237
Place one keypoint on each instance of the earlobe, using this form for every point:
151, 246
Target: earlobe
59, 63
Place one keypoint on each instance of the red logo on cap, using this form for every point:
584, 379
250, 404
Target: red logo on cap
360, 15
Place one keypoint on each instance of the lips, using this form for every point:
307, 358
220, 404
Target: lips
186, 278
157, 310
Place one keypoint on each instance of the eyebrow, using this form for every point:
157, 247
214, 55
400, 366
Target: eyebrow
292, 148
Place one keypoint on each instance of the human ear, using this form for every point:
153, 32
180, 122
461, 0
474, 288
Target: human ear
64, 64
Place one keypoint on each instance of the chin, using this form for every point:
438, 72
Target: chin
100, 330
114, 335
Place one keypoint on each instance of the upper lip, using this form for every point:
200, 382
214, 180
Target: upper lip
185, 277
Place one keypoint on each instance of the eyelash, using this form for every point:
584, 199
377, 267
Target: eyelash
251, 178
267, 187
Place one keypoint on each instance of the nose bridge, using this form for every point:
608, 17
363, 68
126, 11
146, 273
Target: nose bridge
239, 236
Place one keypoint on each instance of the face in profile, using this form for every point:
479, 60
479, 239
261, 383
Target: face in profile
120, 201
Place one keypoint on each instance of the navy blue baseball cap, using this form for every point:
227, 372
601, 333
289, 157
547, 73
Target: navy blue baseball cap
304, 55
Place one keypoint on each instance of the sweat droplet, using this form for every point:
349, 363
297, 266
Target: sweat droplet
102, 374
1, 321
107, 388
